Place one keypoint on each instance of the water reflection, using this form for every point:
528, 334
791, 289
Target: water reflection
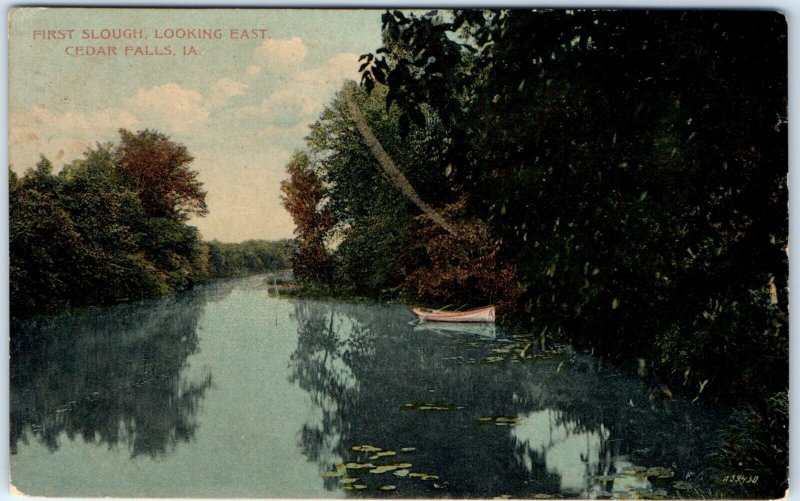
531, 422
328, 346
116, 376
567, 450
460, 328
325, 399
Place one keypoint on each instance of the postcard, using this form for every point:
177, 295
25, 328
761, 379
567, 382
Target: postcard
460, 253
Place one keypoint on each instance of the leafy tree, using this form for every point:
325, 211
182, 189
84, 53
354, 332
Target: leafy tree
376, 182
158, 169
632, 165
42, 241
303, 196
83, 237
373, 213
395, 175
627, 164
110, 220
461, 267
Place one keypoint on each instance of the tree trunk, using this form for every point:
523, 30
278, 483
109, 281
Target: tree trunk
396, 176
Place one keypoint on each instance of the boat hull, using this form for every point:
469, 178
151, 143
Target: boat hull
485, 314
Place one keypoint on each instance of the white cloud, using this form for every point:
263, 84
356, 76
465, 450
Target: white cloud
301, 98
314, 87
224, 89
281, 52
169, 107
64, 136
286, 107
294, 101
61, 136
76, 122
342, 66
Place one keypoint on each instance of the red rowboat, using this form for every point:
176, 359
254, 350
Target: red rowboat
484, 314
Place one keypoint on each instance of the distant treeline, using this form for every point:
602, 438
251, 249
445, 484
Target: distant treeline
111, 227
249, 257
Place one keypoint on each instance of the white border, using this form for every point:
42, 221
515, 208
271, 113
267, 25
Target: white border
791, 9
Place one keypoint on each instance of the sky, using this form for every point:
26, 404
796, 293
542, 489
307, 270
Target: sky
58, 103
241, 106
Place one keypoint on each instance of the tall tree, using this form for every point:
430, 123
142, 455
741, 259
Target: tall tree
386, 163
159, 169
42, 242
303, 196
627, 162
83, 237
634, 167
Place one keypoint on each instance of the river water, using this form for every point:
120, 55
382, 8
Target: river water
230, 391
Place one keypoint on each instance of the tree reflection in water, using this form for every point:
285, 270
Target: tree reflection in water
575, 420
114, 376
327, 345
561, 444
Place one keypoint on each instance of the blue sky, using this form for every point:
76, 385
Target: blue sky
241, 107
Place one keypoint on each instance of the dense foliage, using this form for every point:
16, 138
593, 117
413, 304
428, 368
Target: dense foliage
302, 194
630, 164
339, 198
103, 230
158, 169
249, 257
629, 169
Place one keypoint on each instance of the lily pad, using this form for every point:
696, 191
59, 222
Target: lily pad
503, 419
366, 448
389, 467
659, 472
387, 487
633, 471
383, 468
408, 449
383, 454
423, 476
348, 480
682, 485
359, 486
402, 473
498, 420
358, 466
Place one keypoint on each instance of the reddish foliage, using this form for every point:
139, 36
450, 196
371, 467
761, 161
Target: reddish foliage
158, 169
303, 195
462, 268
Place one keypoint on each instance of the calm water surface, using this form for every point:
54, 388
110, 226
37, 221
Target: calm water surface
229, 391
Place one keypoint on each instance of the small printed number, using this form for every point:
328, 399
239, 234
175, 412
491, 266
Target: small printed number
740, 479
